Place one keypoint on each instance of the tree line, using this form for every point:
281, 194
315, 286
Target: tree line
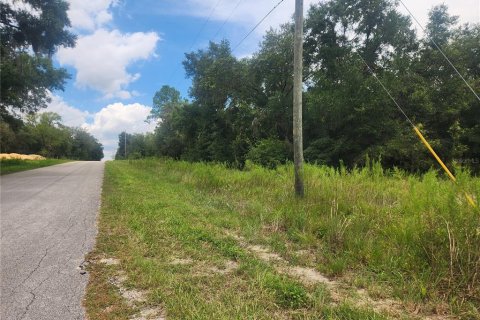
30, 33
241, 109
44, 134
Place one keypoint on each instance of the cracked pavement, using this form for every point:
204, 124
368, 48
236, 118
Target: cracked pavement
48, 224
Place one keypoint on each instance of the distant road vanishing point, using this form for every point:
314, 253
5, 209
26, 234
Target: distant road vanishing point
48, 224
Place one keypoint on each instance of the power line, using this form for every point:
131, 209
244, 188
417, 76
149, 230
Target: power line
420, 135
227, 19
439, 49
172, 75
385, 89
214, 8
256, 26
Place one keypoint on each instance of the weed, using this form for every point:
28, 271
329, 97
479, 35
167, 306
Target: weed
412, 236
16, 165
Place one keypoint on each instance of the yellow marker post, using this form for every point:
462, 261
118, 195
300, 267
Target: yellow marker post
452, 177
429, 147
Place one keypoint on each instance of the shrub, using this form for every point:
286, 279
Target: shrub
270, 153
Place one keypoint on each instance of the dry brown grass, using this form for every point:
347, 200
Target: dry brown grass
9, 156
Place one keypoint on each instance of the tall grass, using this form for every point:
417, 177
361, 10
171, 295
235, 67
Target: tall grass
413, 237
15, 165
416, 233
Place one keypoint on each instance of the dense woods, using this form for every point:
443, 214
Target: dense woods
44, 134
31, 32
241, 109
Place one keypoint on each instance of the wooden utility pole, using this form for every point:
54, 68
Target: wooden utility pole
125, 144
297, 99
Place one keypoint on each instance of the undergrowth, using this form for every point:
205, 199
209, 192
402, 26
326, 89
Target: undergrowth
15, 165
412, 237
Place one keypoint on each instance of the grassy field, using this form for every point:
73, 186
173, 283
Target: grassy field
16, 165
201, 241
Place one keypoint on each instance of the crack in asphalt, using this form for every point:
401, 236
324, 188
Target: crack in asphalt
28, 306
54, 223
34, 269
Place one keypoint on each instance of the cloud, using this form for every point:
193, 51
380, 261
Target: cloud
91, 14
111, 120
20, 5
244, 17
249, 12
106, 124
71, 116
101, 60
467, 10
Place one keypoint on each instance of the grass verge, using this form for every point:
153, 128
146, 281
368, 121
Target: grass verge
16, 165
175, 228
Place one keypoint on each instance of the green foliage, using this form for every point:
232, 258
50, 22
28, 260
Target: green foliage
17, 165
240, 107
27, 78
270, 153
165, 102
408, 237
137, 146
44, 134
85, 146
289, 294
7, 137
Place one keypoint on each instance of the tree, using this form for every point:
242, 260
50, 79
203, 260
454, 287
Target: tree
164, 102
30, 33
85, 146
453, 113
273, 69
348, 115
47, 136
214, 81
440, 25
121, 153
44, 133
242, 109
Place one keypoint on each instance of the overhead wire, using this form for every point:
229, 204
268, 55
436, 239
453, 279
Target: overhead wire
227, 19
440, 50
256, 26
214, 8
224, 23
418, 132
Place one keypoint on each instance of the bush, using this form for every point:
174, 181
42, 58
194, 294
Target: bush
270, 153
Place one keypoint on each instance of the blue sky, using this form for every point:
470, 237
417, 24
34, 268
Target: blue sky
128, 49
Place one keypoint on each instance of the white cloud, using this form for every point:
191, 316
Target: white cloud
466, 10
90, 14
106, 124
101, 59
71, 116
20, 5
249, 12
111, 120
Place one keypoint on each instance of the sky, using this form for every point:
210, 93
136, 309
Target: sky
128, 49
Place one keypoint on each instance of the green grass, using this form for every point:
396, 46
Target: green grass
16, 165
410, 238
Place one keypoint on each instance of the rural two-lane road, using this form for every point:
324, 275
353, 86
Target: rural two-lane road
48, 218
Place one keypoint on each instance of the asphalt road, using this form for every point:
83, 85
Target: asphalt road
48, 224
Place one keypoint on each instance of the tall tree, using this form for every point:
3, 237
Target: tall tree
31, 31
348, 115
